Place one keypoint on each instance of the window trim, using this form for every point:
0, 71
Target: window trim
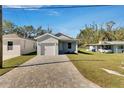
10, 46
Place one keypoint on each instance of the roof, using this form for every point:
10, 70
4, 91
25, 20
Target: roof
14, 36
58, 36
115, 42
63, 36
45, 35
109, 43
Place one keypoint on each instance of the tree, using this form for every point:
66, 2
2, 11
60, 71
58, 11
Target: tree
26, 31
41, 31
87, 35
109, 25
8, 27
119, 33
94, 33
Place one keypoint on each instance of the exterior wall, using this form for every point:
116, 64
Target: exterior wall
60, 46
39, 48
114, 48
20, 46
44, 41
63, 47
27, 46
117, 50
47, 39
11, 53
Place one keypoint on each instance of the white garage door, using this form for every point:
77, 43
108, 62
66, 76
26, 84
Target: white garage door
50, 49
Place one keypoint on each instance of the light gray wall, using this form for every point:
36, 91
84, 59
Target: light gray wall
11, 53
116, 49
20, 46
63, 47
27, 46
47, 39
41, 42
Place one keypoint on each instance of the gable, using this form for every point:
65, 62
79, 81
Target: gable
47, 39
63, 37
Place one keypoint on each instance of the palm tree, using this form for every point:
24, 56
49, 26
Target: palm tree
109, 25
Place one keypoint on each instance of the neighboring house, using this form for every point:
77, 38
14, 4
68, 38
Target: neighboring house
14, 46
108, 46
49, 44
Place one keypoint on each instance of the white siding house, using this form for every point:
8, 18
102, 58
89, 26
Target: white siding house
14, 46
52, 45
108, 46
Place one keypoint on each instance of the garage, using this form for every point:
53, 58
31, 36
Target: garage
48, 49
47, 45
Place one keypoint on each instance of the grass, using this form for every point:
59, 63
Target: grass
89, 64
14, 62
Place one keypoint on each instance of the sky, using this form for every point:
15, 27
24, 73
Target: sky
65, 20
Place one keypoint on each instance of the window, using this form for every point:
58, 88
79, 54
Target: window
69, 45
120, 47
108, 47
10, 45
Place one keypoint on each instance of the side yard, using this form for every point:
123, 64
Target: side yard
14, 62
90, 64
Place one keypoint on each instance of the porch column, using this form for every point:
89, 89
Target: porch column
100, 47
38, 49
96, 48
115, 48
76, 47
57, 48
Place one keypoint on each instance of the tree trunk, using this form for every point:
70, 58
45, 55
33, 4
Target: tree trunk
1, 51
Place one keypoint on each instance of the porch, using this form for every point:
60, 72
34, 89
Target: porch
67, 47
112, 48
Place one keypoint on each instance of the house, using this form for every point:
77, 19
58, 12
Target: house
49, 44
108, 46
14, 46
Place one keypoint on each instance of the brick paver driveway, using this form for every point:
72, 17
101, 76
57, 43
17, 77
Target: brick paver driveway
45, 71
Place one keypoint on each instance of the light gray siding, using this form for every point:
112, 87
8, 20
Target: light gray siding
20, 46
63, 47
47, 41
116, 49
16, 50
27, 46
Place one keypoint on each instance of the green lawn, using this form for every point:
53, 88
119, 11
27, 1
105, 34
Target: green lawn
89, 64
14, 62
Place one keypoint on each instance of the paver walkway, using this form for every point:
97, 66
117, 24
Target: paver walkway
45, 71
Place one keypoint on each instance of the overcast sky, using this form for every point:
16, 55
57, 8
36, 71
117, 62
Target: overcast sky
65, 20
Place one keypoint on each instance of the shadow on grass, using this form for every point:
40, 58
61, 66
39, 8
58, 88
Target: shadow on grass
82, 52
32, 53
47, 63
